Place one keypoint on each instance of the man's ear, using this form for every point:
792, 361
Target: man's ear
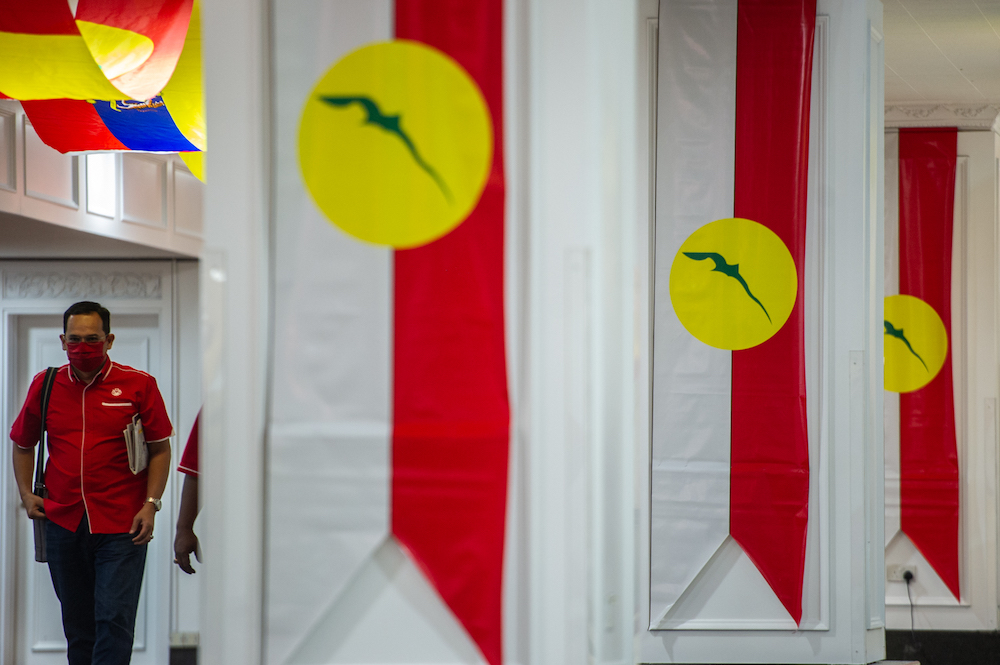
62, 338
110, 340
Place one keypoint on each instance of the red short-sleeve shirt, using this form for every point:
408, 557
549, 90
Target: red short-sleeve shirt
189, 458
87, 469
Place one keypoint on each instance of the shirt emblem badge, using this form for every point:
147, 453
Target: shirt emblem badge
116, 392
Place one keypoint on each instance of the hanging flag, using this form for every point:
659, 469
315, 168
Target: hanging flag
389, 290
769, 486
110, 49
143, 125
70, 125
918, 359
184, 96
450, 410
135, 42
730, 441
73, 126
173, 122
44, 55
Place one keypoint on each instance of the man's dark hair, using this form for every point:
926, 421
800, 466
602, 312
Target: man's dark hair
88, 307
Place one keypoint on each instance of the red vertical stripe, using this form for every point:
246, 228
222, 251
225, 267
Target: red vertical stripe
928, 455
769, 491
70, 125
39, 17
450, 408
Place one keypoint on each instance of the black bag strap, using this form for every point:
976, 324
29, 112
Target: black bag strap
50, 379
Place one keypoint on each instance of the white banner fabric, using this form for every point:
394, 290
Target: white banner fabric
692, 382
329, 439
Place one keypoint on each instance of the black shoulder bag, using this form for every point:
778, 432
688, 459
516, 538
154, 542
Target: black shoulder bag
39, 489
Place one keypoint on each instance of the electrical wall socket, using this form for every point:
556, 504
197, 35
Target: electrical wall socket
895, 572
184, 639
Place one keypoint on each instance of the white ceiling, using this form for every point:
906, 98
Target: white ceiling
942, 51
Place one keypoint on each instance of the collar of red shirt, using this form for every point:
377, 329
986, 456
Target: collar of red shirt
103, 374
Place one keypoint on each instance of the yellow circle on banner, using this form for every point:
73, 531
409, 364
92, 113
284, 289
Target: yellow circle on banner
733, 283
396, 143
915, 343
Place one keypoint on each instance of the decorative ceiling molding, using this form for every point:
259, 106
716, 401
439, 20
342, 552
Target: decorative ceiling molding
963, 116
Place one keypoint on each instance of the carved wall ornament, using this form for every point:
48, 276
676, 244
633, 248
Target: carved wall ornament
914, 111
82, 286
963, 116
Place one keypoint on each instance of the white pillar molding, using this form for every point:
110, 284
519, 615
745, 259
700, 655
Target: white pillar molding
581, 69
235, 328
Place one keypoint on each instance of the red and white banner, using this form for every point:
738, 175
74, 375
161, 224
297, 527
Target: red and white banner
730, 460
450, 410
922, 476
389, 429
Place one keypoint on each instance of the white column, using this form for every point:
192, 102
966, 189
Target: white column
235, 337
577, 406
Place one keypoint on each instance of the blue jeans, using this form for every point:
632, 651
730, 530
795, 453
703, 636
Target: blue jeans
97, 578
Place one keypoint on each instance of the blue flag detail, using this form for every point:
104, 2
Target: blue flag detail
143, 125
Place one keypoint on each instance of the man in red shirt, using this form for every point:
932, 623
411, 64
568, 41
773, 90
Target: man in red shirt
185, 540
99, 514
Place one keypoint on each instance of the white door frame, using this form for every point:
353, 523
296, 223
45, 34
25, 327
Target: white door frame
49, 287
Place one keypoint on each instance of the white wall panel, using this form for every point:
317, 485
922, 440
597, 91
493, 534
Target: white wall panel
8, 157
144, 182
49, 175
188, 195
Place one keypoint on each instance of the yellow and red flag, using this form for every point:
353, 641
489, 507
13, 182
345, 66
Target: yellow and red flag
136, 42
110, 49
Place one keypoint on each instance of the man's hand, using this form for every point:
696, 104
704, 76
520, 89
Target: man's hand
24, 466
142, 524
185, 542
34, 505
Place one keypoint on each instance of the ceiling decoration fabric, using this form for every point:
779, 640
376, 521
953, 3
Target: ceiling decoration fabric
136, 42
111, 49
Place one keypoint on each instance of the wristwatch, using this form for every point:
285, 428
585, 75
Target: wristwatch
156, 503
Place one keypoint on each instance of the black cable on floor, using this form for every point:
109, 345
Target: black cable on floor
915, 648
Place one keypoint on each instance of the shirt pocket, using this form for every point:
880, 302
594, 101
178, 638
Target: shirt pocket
117, 413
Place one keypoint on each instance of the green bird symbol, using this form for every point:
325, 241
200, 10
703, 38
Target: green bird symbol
392, 125
730, 270
892, 331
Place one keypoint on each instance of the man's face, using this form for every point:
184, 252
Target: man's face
86, 328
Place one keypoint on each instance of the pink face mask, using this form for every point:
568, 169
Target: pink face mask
86, 357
